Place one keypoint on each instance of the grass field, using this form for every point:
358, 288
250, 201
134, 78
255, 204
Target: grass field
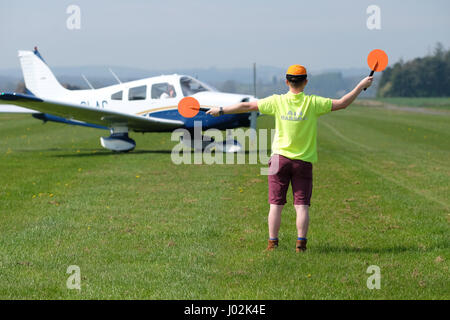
435, 103
141, 227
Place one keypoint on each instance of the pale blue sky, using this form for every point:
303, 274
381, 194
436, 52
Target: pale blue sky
153, 34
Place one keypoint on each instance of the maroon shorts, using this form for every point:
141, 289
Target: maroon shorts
297, 172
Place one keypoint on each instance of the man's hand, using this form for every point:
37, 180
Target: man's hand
215, 112
366, 82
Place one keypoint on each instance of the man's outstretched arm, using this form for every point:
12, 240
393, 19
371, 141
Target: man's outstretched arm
346, 100
241, 107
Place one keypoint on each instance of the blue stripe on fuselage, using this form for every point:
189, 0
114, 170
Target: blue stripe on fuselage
227, 121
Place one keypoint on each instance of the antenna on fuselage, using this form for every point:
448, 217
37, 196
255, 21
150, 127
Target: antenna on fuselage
115, 76
87, 81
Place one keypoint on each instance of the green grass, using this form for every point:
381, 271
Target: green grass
435, 103
142, 227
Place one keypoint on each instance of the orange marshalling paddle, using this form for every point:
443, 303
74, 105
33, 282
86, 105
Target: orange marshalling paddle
189, 107
377, 61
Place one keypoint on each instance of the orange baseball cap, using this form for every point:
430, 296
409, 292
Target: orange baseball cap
296, 70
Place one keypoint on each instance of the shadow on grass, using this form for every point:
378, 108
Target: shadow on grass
390, 249
102, 152
85, 152
97, 153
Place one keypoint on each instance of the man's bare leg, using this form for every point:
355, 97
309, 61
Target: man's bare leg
302, 226
302, 219
274, 220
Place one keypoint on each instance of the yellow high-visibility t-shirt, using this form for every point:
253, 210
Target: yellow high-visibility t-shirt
295, 123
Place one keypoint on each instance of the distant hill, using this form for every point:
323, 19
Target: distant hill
330, 83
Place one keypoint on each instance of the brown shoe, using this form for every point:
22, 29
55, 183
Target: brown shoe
300, 246
272, 244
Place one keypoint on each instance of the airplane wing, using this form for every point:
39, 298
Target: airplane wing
14, 109
97, 116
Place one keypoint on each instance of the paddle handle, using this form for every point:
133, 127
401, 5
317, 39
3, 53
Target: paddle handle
371, 74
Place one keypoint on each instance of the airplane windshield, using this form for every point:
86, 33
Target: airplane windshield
191, 86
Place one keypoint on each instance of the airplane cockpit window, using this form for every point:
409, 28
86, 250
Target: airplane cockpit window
137, 93
163, 90
117, 96
191, 86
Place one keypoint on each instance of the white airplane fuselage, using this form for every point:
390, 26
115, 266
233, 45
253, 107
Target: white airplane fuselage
146, 101
120, 107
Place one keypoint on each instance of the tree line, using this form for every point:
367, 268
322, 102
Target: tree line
422, 77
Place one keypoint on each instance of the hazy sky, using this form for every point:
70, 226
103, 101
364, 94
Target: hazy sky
161, 34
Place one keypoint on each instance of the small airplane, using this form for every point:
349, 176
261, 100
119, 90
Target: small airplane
147, 105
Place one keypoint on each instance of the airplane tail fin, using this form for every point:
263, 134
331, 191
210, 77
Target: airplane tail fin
39, 79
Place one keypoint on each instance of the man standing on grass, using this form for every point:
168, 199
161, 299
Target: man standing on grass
294, 147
